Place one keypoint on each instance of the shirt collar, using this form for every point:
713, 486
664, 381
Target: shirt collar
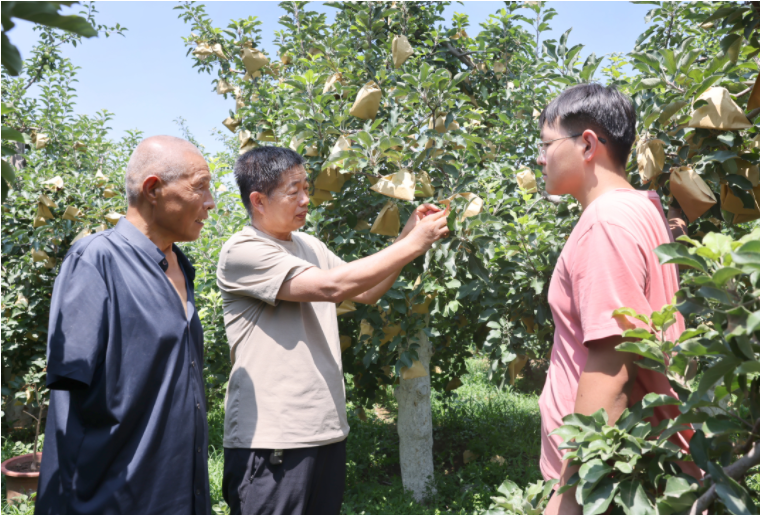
139, 240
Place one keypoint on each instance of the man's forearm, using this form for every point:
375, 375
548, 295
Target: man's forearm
349, 280
375, 293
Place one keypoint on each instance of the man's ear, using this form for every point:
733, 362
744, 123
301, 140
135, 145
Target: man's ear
258, 202
591, 143
151, 188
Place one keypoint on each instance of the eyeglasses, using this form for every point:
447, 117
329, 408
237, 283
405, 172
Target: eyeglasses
542, 146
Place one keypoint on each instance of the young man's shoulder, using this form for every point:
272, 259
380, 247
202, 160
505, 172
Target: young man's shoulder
625, 208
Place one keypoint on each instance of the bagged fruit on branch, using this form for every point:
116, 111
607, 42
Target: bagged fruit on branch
82, 234
400, 185
341, 145
80, 147
401, 50
516, 366
735, 205
345, 342
453, 384
347, 306
692, 193
266, 135
526, 179
109, 193
56, 182
72, 213
320, 196
754, 96
40, 140
720, 112
231, 123
217, 49
440, 125
309, 151
113, 217
100, 179
416, 370
650, 158
330, 179
474, 204
425, 186
367, 102
254, 60
45, 201
223, 87
330, 84
387, 222
202, 51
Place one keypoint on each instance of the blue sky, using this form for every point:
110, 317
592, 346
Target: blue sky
147, 82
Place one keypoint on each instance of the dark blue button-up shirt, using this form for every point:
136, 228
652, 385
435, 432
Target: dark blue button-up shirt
126, 429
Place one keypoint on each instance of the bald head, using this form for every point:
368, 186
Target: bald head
162, 156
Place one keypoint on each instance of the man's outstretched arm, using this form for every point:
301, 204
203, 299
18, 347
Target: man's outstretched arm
366, 280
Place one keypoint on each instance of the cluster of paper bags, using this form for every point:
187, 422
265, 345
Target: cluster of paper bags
717, 111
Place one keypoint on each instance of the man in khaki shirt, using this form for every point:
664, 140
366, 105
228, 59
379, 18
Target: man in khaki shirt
280, 288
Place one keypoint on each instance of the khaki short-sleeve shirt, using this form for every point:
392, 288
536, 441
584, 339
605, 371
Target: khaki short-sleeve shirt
286, 387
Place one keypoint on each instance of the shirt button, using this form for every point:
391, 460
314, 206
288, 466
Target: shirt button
192, 364
198, 405
199, 449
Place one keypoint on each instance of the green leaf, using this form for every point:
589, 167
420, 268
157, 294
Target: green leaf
643, 349
600, 498
46, 13
633, 499
731, 493
639, 332
699, 449
668, 59
722, 276
655, 400
10, 134
669, 110
647, 58
11, 58
631, 313
594, 470
650, 83
678, 254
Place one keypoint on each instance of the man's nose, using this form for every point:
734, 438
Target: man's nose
208, 202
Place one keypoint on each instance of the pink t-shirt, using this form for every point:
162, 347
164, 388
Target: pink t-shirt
607, 263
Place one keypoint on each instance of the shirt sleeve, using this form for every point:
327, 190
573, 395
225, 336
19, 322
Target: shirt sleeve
78, 326
257, 269
610, 272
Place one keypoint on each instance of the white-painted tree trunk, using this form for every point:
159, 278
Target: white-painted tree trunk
415, 427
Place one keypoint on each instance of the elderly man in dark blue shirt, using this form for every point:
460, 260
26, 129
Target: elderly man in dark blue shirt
126, 430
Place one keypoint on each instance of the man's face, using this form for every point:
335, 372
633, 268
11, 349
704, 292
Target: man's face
184, 203
286, 207
561, 161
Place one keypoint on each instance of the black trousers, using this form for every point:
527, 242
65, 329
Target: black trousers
310, 481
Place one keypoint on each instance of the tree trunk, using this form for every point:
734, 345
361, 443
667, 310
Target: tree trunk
415, 427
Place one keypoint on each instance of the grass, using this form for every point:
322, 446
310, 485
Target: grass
500, 427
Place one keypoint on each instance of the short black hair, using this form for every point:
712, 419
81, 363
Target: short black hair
261, 169
602, 109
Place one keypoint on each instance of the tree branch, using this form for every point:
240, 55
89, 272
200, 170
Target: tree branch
459, 55
735, 471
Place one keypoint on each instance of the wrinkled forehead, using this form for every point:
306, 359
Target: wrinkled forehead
293, 177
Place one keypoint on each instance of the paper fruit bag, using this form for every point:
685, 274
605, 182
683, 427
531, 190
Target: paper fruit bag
223, 87
309, 150
202, 51
527, 181
413, 372
401, 50
733, 204
71, 213
320, 196
516, 366
330, 84
266, 135
367, 102
474, 206
424, 186
721, 112
400, 185
387, 222
330, 179
217, 49
692, 193
346, 306
440, 125
231, 123
40, 140
650, 159
254, 60
345, 342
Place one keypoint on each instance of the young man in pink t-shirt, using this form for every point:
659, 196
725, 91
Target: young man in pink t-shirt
607, 263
